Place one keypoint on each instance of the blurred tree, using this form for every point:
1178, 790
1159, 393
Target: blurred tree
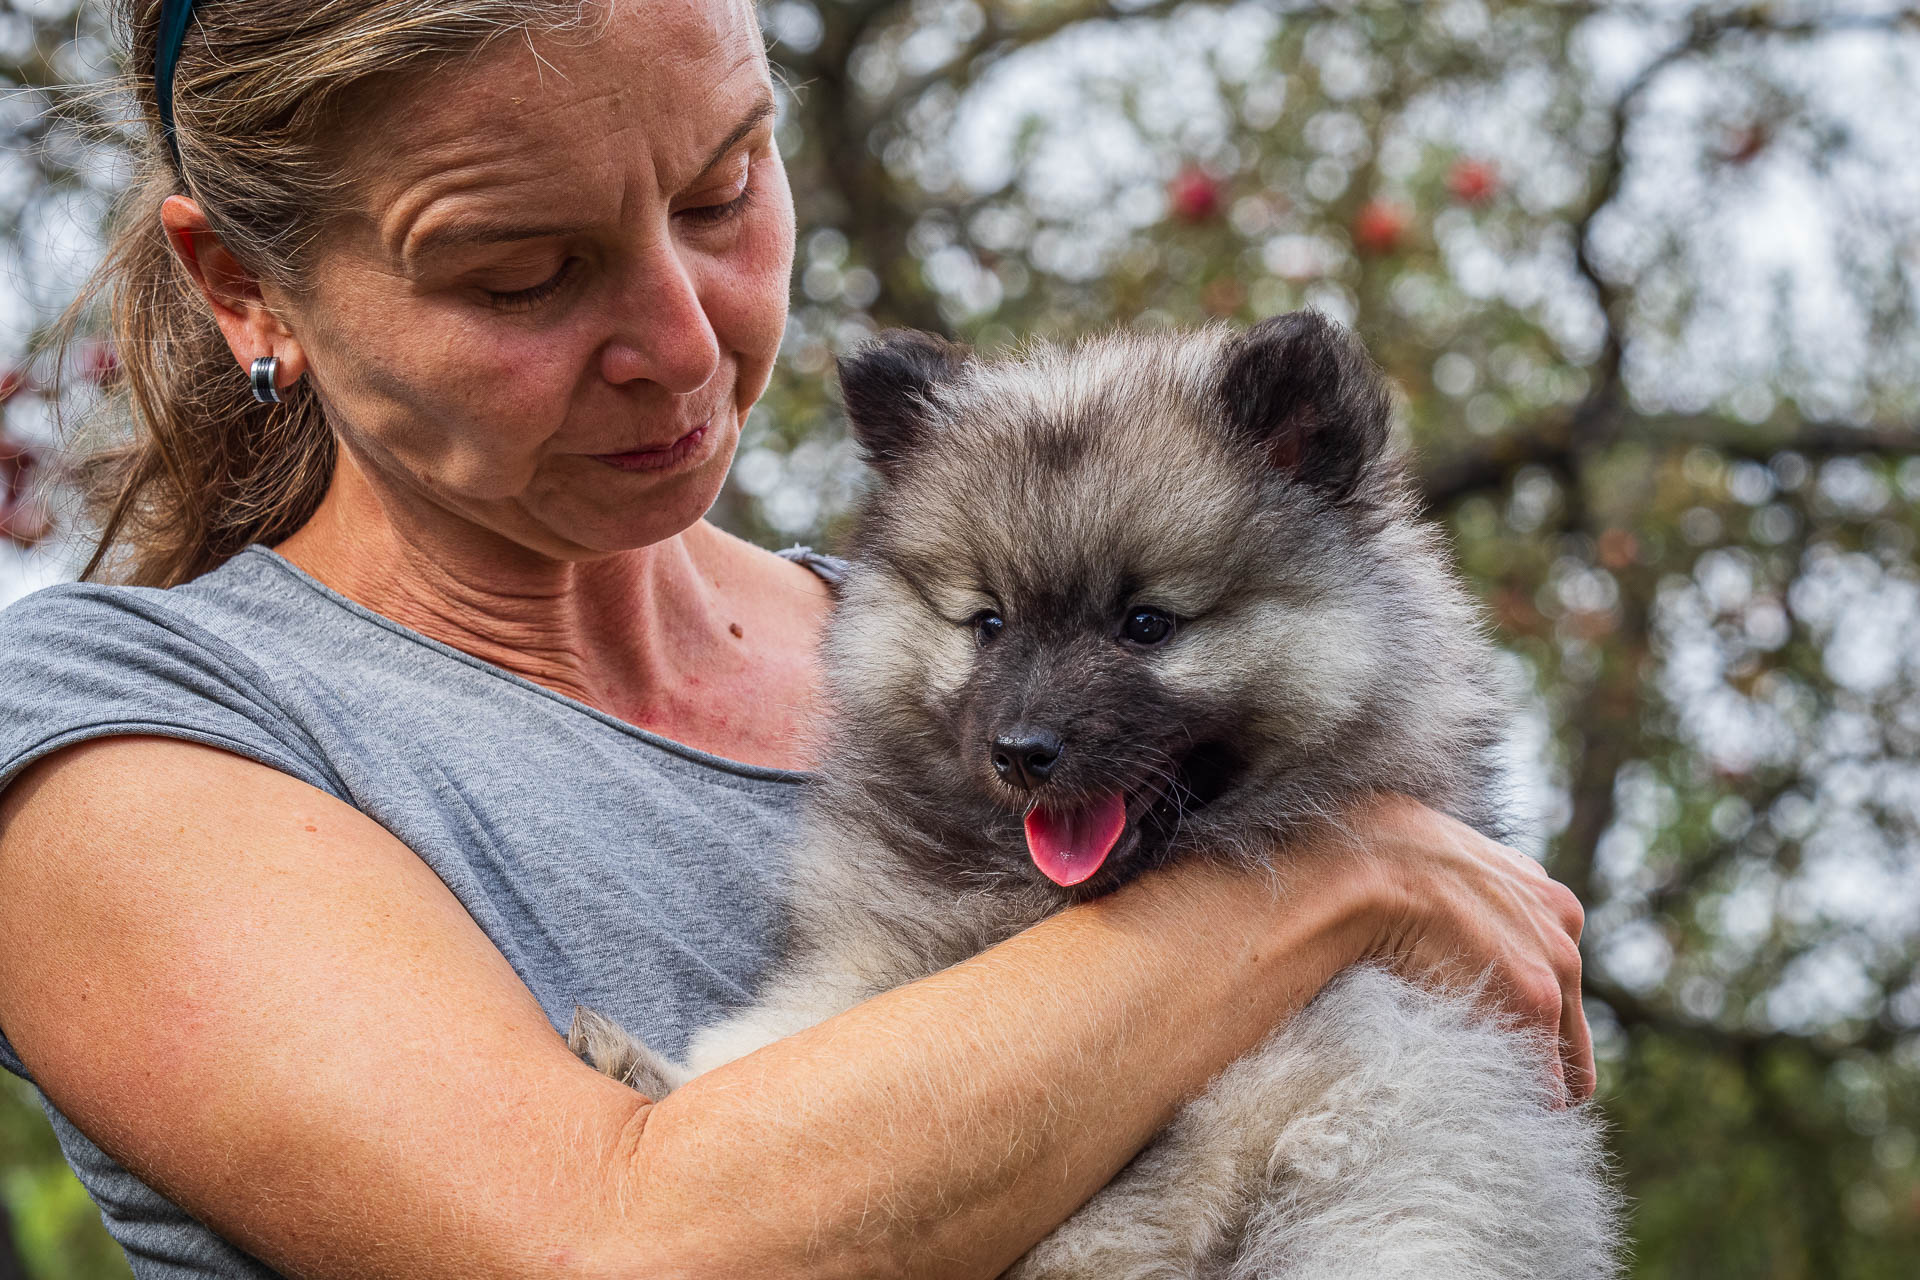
1648, 277
49, 1229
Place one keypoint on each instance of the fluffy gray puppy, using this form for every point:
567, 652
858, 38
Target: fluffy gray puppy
1164, 596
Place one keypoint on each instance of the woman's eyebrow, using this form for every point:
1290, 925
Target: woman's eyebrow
464, 234
748, 123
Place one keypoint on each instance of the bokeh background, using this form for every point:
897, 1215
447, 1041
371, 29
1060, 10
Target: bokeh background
1647, 276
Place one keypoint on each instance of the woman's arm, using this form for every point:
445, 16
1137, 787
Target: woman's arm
268, 1007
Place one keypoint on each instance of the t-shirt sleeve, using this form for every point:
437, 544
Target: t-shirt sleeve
82, 662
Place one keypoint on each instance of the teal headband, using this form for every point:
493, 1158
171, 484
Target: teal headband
174, 17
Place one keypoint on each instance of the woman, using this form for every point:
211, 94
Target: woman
307, 857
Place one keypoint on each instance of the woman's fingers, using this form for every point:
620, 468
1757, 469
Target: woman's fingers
1472, 902
1576, 1051
1575, 1038
1566, 905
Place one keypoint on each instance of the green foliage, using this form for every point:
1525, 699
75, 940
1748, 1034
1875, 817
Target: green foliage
56, 1229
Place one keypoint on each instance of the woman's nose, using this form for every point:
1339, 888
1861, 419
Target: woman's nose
660, 330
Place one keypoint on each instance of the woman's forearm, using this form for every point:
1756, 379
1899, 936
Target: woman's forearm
941, 1129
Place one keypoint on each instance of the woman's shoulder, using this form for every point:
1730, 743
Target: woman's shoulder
73, 607
831, 570
91, 625
94, 637
72, 613
88, 660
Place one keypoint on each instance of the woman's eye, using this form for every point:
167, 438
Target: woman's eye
712, 214
518, 299
1146, 626
987, 625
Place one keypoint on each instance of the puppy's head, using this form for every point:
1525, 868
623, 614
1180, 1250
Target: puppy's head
1103, 595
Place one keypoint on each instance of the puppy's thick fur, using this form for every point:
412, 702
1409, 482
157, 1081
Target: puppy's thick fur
1240, 487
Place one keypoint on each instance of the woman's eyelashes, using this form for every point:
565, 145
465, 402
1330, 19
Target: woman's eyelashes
522, 299
709, 215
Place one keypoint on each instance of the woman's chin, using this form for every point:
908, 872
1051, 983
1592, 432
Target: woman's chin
599, 509
671, 515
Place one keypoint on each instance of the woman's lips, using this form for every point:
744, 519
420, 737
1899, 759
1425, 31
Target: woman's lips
656, 459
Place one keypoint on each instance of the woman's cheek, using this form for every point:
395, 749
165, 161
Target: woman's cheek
485, 402
749, 306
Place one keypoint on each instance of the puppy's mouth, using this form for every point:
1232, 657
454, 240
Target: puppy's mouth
1071, 845
1070, 842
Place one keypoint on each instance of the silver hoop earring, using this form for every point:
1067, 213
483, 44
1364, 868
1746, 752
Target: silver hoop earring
265, 371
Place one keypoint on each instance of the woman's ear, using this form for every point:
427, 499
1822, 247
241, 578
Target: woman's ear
252, 328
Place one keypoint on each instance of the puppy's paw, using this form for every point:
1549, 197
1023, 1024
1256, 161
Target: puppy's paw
603, 1045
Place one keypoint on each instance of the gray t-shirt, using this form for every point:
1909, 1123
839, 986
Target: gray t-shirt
612, 867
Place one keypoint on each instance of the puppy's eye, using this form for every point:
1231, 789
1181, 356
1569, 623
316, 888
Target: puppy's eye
1146, 626
987, 625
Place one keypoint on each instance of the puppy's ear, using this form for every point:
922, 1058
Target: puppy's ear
890, 387
1305, 391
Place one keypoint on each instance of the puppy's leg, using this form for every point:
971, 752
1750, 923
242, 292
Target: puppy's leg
607, 1048
797, 999
1424, 1143
1177, 1211
823, 981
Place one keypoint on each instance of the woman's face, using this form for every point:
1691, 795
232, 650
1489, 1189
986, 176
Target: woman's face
568, 281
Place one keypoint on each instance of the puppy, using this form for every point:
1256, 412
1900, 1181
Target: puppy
1163, 596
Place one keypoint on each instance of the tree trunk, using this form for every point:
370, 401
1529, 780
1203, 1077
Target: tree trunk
11, 1268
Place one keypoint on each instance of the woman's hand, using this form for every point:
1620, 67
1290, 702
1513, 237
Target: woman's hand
260, 1001
1455, 908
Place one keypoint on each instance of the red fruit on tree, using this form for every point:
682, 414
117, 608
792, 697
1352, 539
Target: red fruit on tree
25, 525
1380, 226
1473, 181
1742, 145
23, 519
101, 364
1618, 548
1194, 195
1223, 296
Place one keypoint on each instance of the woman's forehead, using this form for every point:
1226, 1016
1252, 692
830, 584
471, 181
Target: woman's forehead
568, 121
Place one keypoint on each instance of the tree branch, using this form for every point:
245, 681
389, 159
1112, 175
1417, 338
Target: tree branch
1553, 443
1596, 417
1635, 1012
1001, 35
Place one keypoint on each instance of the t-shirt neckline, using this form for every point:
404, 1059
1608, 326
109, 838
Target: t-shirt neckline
694, 755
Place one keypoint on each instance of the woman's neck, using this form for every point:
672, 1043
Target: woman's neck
699, 637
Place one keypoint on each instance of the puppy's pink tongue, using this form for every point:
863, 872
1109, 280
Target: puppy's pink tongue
1069, 847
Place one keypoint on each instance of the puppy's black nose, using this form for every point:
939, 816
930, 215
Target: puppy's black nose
1024, 756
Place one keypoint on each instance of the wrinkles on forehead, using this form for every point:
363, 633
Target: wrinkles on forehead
557, 132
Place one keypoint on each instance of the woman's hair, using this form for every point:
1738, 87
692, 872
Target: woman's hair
267, 94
